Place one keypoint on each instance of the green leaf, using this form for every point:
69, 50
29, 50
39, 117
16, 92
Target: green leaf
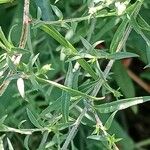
39, 13
121, 104
35, 84
86, 44
56, 105
9, 144
62, 126
43, 141
3, 46
10, 33
70, 90
136, 27
3, 119
4, 40
57, 12
1, 143
110, 120
65, 95
87, 86
97, 137
123, 80
148, 56
33, 60
26, 142
147, 66
107, 27
81, 56
33, 119
143, 24
5, 1
103, 55
46, 9
65, 105
59, 38
122, 55
11, 64
118, 35
16, 50
56, 1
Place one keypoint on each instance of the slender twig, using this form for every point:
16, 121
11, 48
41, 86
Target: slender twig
99, 123
101, 126
16, 58
122, 42
84, 111
24, 34
74, 129
74, 19
107, 70
119, 48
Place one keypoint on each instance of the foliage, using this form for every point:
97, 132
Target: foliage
62, 72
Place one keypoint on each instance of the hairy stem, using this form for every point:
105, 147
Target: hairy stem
16, 58
74, 129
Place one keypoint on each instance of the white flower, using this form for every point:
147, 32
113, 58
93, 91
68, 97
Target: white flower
121, 7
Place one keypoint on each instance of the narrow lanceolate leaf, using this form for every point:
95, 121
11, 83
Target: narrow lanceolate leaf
121, 104
3, 46
46, 9
3, 39
34, 59
39, 13
97, 137
103, 55
3, 119
1, 143
26, 142
86, 44
70, 90
148, 55
137, 28
20, 85
72, 51
107, 27
123, 80
122, 55
57, 12
58, 37
110, 120
143, 24
33, 119
11, 64
56, 1
5, 1
9, 144
65, 103
118, 35
54, 106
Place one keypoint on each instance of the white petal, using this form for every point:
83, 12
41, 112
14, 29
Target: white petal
20, 85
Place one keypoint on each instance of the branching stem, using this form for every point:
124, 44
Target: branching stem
74, 129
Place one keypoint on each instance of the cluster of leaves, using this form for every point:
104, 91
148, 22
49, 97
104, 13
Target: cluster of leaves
61, 83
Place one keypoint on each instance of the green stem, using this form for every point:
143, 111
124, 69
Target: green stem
100, 15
